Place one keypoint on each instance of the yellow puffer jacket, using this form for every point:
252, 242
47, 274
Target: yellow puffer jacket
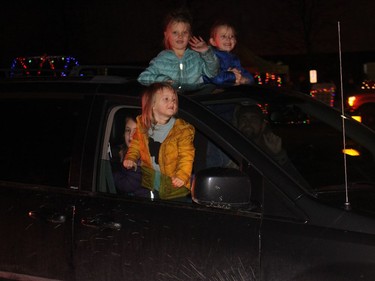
176, 157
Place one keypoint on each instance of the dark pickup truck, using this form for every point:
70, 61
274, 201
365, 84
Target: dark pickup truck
300, 209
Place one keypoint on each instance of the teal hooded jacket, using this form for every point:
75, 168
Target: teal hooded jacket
189, 70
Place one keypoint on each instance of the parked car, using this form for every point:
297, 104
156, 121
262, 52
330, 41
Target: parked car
361, 103
302, 209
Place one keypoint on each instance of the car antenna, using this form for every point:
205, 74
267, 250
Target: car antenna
343, 117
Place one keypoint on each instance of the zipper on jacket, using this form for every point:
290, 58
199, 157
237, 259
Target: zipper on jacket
181, 75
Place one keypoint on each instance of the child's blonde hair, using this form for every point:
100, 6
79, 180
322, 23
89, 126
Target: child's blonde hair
175, 17
148, 101
219, 23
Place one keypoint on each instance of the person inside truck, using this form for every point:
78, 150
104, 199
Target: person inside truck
186, 58
251, 121
164, 143
128, 182
223, 39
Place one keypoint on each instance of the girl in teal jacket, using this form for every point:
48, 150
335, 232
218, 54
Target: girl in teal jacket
178, 64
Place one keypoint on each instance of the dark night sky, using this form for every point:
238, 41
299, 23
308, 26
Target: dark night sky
119, 32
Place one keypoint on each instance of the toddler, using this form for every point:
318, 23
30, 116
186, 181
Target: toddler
223, 38
163, 143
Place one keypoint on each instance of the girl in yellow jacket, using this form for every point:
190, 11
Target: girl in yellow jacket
164, 144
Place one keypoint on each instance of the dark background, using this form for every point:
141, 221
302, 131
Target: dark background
300, 33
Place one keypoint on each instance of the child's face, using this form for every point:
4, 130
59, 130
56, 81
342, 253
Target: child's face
178, 35
130, 127
165, 105
225, 39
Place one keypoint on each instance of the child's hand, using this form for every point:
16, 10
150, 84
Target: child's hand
176, 182
198, 44
239, 78
128, 164
237, 74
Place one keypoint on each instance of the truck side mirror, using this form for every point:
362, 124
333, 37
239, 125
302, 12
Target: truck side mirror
219, 187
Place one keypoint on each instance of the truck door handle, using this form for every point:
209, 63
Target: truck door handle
100, 223
52, 217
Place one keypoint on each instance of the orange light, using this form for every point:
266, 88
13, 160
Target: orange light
357, 118
351, 152
351, 100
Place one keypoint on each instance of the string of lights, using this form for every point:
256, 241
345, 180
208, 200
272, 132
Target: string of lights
267, 78
43, 66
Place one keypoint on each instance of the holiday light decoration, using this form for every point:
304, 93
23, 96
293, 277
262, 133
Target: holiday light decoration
368, 85
324, 92
42, 66
269, 79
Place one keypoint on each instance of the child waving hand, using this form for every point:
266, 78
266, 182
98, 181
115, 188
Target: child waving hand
178, 64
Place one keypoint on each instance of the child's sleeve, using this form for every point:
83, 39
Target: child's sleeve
133, 152
153, 73
248, 75
186, 153
244, 72
224, 77
210, 63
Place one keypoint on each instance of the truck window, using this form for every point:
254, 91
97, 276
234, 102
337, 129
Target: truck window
113, 178
37, 140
